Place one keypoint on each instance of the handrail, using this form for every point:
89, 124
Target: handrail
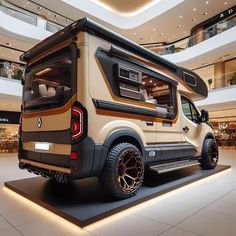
30, 19
190, 41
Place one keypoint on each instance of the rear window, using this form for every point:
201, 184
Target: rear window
48, 85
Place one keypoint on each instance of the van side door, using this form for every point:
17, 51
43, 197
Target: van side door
192, 129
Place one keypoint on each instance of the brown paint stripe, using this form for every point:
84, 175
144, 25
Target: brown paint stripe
55, 111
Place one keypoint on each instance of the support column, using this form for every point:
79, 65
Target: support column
219, 75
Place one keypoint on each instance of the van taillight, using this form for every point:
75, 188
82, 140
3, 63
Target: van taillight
78, 120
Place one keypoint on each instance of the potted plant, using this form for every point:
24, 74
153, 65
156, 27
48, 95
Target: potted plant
210, 82
233, 79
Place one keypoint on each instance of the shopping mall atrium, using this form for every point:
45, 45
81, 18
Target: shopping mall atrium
138, 68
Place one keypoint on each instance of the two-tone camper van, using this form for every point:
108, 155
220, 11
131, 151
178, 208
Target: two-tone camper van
98, 104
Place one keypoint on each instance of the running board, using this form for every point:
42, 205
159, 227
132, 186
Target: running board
172, 166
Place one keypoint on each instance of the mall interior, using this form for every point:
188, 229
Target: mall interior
199, 35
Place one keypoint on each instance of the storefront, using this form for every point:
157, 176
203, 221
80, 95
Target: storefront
213, 26
9, 124
225, 133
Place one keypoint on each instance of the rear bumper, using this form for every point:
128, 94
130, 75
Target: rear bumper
87, 164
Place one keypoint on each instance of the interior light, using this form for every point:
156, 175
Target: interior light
180, 17
194, 9
153, 29
207, 2
194, 19
226, 3
205, 13
150, 81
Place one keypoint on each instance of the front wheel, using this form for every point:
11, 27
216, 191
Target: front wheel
210, 154
123, 171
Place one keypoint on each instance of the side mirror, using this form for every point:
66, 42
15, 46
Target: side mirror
204, 116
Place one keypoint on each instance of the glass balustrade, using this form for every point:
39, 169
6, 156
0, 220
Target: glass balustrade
195, 39
30, 19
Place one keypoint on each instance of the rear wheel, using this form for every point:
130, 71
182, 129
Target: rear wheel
123, 171
210, 154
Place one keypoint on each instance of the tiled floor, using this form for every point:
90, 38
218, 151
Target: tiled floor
206, 207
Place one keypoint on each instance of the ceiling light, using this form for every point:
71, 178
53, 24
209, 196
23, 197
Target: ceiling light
150, 81
178, 26
155, 84
143, 82
207, 2
153, 29
49, 13
24, 6
67, 20
226, 3
194, 18
134, 33
194, 9
8, 44
39, 8
180, 17
205, 13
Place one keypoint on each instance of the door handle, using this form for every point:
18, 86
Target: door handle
148, 123
186, 129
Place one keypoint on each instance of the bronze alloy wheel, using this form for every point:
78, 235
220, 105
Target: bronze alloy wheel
129, 171
214, 153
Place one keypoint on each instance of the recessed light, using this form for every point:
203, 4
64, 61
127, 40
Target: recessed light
39, 8
150, 81
24, 6
67, 20
194, 18
178, 26
143, 82
153, 29
207, 2
180, 17
226, 3
49, 13
134, 33
194, 9
8, 44
155, 84
205, 13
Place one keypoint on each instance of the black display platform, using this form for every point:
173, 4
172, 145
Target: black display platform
83, 202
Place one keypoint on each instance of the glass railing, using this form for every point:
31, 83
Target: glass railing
11, 70
31, 19
19, 15
195, 39
225, 80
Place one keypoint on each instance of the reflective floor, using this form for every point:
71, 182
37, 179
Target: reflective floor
207, 207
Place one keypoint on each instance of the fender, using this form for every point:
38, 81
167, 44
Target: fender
125, 135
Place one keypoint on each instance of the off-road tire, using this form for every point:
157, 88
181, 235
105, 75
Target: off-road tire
210, 154
123, 171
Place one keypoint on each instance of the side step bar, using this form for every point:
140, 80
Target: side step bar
172, 166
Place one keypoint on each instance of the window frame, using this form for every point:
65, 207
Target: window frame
191, 105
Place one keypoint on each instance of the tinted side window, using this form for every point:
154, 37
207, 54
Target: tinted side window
189, 110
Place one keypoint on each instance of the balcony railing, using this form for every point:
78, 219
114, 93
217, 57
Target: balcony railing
224, 80
195, 39
11, 70
31, 19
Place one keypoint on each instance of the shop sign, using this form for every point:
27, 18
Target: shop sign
9, 117
227, 13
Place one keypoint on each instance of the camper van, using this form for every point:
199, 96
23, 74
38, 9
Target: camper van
96, 104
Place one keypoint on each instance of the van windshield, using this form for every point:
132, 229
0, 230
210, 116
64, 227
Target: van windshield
48, 85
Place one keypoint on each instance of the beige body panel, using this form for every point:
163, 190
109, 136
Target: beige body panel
49, 122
